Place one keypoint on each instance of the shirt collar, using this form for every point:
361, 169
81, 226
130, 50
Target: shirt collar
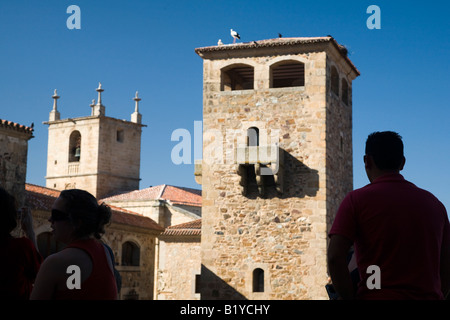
389, 177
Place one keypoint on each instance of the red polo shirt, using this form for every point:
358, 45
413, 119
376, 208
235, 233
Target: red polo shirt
399, 228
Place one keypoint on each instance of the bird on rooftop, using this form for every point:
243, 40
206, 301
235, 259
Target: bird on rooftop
219, 43
235, 35
280, 35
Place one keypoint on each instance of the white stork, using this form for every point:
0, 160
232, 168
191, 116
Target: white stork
235, 35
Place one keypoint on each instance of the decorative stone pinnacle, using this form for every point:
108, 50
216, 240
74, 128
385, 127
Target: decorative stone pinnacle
137, 99
99, 90
55, 98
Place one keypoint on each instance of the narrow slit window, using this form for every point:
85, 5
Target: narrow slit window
258, 280
120, 135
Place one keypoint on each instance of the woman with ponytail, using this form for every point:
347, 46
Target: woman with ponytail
83, 270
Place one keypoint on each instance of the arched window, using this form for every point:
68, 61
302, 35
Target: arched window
130, 254
253, 137
344, 94
287, 74
47, 244
75, 146
258, 280
334, 80
237, 77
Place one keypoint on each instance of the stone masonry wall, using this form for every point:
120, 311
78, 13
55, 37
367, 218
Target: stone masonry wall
13, 162
283, 235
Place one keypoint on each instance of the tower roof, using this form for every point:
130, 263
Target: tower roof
274, 43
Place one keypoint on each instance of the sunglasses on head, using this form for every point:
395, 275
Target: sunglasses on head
58, 215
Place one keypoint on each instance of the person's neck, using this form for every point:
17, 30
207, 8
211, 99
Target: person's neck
379, 173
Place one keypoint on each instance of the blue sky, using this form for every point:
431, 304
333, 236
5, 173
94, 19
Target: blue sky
149, 46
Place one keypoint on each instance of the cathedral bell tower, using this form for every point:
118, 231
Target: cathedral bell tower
96, 153
277, 162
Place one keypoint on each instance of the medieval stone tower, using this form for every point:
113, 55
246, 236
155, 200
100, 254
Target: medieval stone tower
277, 162
97, 153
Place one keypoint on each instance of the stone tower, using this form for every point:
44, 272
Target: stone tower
97, 153
277, 162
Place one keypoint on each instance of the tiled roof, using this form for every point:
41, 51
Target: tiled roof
277, 42
192, 228
15, 126
42, 198
176, 195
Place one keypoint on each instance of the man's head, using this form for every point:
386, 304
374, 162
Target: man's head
384, 153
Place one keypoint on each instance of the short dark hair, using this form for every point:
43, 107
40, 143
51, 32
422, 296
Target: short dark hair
386, 149
82, 206
8, 211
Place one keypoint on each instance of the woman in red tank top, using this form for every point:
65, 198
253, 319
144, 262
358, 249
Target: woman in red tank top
83, 270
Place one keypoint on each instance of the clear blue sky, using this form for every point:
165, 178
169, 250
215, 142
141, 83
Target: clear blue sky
149, 46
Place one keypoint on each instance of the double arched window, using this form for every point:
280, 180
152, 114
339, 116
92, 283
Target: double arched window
287, 73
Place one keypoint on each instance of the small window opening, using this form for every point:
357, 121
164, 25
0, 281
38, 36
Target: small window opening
258, 280
253, 137
197, 283
120, 135
334, 81
237, 78
288, 75
130, 254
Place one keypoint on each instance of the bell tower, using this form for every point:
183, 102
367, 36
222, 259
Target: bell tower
277, 162
97, 153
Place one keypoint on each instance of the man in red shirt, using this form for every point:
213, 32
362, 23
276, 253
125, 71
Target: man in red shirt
400, 232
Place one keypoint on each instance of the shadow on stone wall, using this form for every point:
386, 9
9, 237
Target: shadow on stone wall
213, 287
298, 180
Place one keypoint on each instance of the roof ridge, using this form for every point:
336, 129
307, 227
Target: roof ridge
162, 191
